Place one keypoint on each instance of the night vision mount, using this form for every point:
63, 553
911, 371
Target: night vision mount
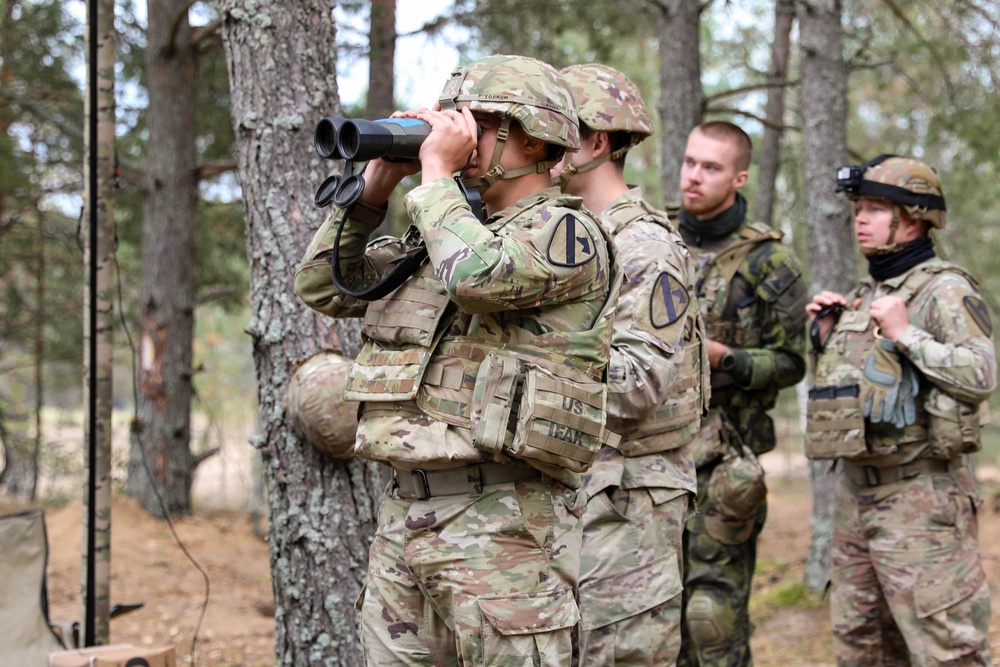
851, 179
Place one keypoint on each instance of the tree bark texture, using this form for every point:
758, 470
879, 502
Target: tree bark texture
769, 152
322, 513
162, 431
824, 140
381, 58
680, 103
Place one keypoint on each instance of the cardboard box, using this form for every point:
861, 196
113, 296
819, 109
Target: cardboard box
120, 655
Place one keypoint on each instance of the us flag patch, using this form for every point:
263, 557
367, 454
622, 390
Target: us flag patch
571, 243
669, 301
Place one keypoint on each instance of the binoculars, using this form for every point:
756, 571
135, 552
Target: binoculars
358, 139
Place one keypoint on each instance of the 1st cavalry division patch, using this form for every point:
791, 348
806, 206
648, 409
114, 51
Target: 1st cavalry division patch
978, 313
571, 243
669, 301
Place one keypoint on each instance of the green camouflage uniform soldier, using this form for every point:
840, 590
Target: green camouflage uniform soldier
480, 377
752, 299
639, 493
903, 366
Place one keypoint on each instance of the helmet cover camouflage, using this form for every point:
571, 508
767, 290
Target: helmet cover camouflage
912, 184
607, 100
315, 405
736, 490
527, 90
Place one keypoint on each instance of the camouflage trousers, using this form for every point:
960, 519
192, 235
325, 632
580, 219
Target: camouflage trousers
906, 562
470, 579
718, 570
630, 577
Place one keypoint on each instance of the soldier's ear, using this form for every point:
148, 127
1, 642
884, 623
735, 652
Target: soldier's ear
741, 179
534, 148
602, 143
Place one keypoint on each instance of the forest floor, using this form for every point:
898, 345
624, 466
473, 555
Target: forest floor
792, 627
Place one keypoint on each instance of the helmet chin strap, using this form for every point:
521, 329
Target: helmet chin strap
570, 170
496, 172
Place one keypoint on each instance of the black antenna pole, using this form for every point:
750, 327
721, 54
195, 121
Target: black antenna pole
90, 605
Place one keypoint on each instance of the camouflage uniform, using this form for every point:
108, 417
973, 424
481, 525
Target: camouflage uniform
904, 528
476, 556
630, 579
758, 313
640, 493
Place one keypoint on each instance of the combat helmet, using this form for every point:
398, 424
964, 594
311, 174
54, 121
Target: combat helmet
606, 101
906, 182
315, 405
516, 88
736, 491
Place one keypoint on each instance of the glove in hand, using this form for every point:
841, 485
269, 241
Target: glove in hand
880, 384
909, 385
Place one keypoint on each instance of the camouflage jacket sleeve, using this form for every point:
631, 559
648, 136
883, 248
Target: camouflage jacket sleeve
949, 339
506, 263
644, 355
779, 361
362, 264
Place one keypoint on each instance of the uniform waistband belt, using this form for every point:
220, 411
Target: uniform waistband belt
863, 475
424, 484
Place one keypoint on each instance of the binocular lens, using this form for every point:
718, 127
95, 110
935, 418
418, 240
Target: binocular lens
325, 138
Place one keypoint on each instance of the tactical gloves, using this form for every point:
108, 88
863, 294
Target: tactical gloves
888, 387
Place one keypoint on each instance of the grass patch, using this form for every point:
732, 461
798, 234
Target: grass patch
779, 586
791, 594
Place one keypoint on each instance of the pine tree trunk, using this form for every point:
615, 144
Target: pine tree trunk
162, 433
831, 260
322, 512
769, 151
381, 58
680, 86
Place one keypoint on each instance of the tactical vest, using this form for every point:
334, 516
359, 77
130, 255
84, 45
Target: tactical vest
519, 400
678, 418
717, 274
740, 329
835, 426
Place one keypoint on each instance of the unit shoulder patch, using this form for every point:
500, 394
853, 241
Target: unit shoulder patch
668, 302
571, 243
979, 314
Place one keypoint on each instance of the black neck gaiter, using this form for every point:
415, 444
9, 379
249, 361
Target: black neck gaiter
883, 267
723, 224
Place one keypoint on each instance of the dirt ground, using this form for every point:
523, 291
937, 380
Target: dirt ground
238, 626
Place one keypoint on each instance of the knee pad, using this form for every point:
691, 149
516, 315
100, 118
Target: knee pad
709, 623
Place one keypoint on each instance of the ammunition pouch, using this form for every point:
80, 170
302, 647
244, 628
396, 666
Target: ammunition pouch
551, 414
835, 428
953, 426
676, 421
400, 336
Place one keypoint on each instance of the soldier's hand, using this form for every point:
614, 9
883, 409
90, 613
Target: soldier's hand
716, 351
822, 300
823, 310
381, 177
454, 135
889, 313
